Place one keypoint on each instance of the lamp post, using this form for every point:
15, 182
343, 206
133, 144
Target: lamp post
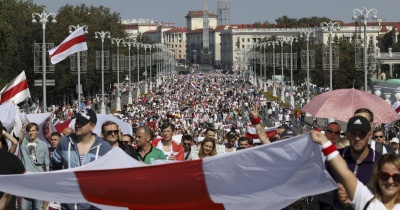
145, 46
102, 35
264, 45
71, 27
138, 66
151, 81
363, 16
117, 41
281, 41
306, 33
291, 39
129, 44
44, 18
330, 27
273, 43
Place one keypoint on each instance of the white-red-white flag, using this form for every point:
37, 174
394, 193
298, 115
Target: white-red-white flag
276, 175
75, 42
17, 90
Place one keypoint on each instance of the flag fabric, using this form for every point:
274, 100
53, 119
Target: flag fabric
251, 133
264, 177
17, 90
75, 42
396, 107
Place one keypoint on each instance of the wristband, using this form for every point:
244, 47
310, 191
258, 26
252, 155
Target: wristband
329, 149
332, 155
255, 121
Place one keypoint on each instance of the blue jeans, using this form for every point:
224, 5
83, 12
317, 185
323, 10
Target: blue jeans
31, 204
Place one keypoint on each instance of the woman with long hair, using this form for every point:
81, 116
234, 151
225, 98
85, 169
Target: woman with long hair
385, 180
207, 148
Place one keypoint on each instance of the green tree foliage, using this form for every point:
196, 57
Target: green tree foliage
386, 41
18, 34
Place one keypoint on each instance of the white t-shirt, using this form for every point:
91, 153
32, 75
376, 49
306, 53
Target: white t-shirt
363, 195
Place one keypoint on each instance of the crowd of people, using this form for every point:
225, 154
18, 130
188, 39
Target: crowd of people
195, 117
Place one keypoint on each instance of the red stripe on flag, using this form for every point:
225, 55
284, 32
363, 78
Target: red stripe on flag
170, 186
68, 44
8, 94
398, 109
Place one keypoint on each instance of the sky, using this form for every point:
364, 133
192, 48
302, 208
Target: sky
241, 11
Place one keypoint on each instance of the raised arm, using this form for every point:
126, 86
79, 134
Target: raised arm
22, 133
336, 161
14, 141
256, 121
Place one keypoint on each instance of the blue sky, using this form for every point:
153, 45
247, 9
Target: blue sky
242, 11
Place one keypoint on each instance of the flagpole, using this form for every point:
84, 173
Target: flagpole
85, 27
44, 19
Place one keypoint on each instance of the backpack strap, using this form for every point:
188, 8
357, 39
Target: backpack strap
367, 204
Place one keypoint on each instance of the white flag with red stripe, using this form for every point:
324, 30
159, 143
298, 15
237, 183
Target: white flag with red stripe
396, 107
75, 42
17, 90
252, 133
264, 177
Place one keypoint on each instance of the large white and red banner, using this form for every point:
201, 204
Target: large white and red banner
75, 42
17, 90
264, 177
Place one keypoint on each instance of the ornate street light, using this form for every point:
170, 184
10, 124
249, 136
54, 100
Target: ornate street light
117, 41
363, 16
71, 29
330, 27
307, 33
44, 18
129, 44
102, 35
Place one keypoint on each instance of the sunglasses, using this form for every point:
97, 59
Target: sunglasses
384, 176
378, 137
126, 142
115, 132
333, 132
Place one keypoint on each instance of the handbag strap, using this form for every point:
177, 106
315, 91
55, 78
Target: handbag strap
367, 204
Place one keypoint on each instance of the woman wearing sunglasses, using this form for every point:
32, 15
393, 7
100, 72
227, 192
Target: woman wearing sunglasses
385, 181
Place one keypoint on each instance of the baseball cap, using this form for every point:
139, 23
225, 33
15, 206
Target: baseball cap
86, 115
394, 140
358, 122
288, 133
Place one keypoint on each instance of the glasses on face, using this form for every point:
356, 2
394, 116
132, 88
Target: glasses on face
333, 132
126, 142
384, 176
378, 137
115, 132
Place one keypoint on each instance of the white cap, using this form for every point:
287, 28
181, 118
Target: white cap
395, 140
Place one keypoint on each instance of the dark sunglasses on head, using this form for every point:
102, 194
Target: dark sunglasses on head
333, 132
384, 176
115, 132
378, 137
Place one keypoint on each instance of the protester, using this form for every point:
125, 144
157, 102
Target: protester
80, 148
385, 177
207, 148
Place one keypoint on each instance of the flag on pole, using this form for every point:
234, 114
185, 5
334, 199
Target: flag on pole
396, 107
17, 90
276, 174
75, 42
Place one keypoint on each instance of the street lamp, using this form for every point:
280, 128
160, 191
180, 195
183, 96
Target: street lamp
71, 28
281, 41
138, 67
363, 16
102, 35
117, 41
44, 18
330, 27
291, 39
145, 46
129, 44
273, 43
306, 33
